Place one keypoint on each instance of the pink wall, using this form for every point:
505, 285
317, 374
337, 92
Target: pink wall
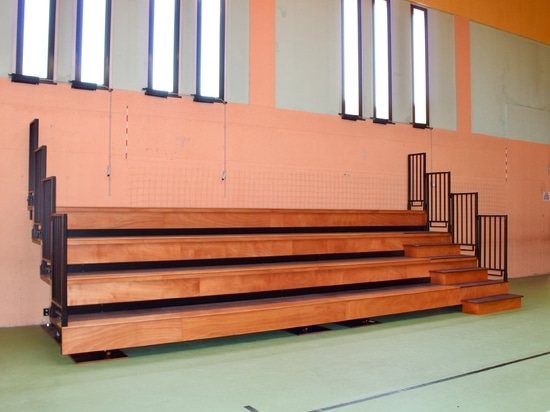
177, 151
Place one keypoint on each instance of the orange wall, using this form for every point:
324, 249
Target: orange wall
526, 18
175, 152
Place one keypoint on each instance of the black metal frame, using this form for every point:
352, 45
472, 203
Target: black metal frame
416, 183
33, 145
48, 208
39, 174
438, 194
37, 166
464, 213
492, 240
59, 314
484, 235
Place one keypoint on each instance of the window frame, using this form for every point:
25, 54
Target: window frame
19, 76
426, 69
345, 114
199, 97
78, 82
376, 118
150, 90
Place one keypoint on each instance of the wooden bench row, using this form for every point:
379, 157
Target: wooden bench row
106, 331
233, 218
97, 250
140, 277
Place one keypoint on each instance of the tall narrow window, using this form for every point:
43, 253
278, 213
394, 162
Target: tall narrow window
420, 66
351, 59
164, 33
35, 38
93, 39
210, 49
382, 60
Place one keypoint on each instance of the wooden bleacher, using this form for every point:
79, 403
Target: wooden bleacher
151, 276
131, 277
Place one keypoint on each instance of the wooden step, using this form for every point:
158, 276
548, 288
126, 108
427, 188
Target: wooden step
172, 248
142, 285
491, 304
461, 275
474, 290
109, 331
80, 218
432, 249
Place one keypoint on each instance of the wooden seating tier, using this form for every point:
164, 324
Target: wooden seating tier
147, 276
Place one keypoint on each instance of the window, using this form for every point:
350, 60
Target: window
420, 66
210, 50
93, 39
164, 33
382, 60
351, 59
35, 39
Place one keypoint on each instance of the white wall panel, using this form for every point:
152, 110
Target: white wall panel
510, 85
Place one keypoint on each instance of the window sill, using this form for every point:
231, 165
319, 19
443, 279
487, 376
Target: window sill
159, 93
23, 78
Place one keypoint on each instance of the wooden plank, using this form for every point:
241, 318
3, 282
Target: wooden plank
491, 304
109, 331
435, 249
177, 218
167, 248
130, 286
475, 290
462, 275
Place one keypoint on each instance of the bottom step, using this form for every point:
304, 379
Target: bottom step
491, 304
126, 329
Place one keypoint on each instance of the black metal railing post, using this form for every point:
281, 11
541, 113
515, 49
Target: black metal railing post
416, 190
464, 212
33, 145
40, 156
438, 193
58, 312
493, 244
48, 208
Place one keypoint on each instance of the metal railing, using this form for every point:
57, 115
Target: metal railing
58, 310
37, 172
486, 236
33, 145
416, 181
48, 206
464, 212
492, 244
438, 193
39, 161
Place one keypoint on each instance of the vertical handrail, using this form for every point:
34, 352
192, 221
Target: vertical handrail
33, 145
40, 156
59, 313
464, 212
438, 194
493, 244
416, 182
48, 208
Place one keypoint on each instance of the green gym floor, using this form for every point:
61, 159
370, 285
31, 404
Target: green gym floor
440, 360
